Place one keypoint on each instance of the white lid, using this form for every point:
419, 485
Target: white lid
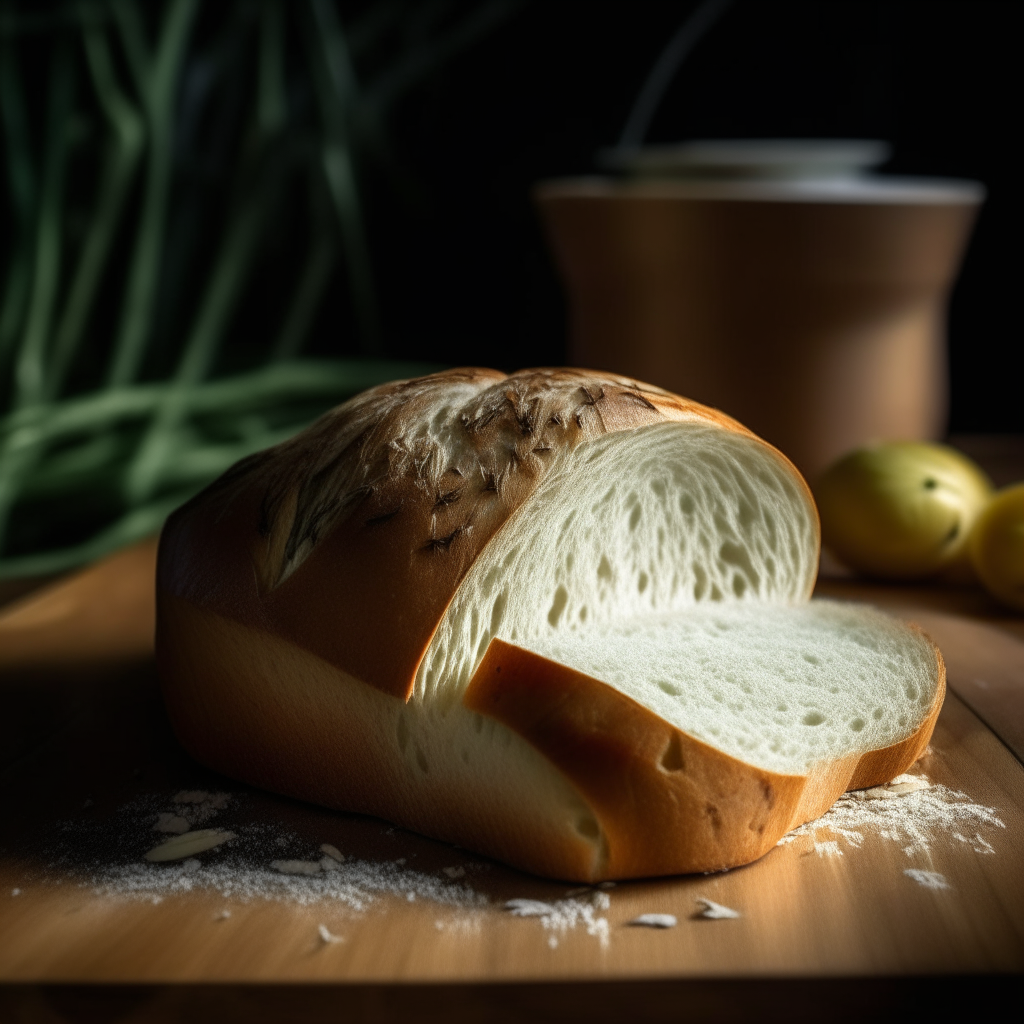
751, 158
862, 190
783, 170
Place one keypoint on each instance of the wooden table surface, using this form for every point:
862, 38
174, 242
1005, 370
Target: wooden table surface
84, 740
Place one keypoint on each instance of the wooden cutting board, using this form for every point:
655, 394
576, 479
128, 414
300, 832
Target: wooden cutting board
83, 737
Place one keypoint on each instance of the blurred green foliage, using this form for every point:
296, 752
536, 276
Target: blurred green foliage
185, 196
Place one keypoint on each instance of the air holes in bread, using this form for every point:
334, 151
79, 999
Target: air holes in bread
672, 756
558, 604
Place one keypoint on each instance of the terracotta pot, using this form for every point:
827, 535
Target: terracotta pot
813, 313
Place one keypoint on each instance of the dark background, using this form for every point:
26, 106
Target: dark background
460, 264
461, 261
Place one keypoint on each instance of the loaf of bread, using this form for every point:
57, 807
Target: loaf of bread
559, 617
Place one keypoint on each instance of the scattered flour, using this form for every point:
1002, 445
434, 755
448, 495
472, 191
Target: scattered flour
247, 863
354, 885
909, 811
168, 821
297, 867
562, 915
829, 848
929, 879
260, 861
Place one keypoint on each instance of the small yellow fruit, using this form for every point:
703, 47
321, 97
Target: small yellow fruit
997, 546
901, 510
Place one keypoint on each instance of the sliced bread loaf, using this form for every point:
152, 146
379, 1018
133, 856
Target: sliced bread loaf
559, 617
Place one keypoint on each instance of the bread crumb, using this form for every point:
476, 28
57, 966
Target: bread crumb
333, 852
189, 844
654, 921
15, 892
458, 872
327, 937
190, 796
529, 908
329, 864
167, 822
929, 879
552, 942
222, 916
715, 911
296, 867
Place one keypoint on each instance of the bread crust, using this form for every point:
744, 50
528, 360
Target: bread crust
363, 526
264, 710
667, 803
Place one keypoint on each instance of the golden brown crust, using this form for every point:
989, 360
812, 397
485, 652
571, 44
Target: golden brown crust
364, 525
270, 713
667, 803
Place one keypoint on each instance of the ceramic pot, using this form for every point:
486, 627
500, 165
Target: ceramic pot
812, 312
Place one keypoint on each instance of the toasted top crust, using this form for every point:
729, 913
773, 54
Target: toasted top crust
363, 526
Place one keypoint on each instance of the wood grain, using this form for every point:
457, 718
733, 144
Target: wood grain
77, 732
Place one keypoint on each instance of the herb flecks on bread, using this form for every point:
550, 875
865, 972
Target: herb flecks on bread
560, 617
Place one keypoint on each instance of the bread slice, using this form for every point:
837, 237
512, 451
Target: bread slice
559, 617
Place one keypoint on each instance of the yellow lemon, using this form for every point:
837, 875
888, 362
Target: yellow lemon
902, 509
997, 546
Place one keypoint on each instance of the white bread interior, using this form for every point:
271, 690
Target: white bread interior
782, 688
646, 522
